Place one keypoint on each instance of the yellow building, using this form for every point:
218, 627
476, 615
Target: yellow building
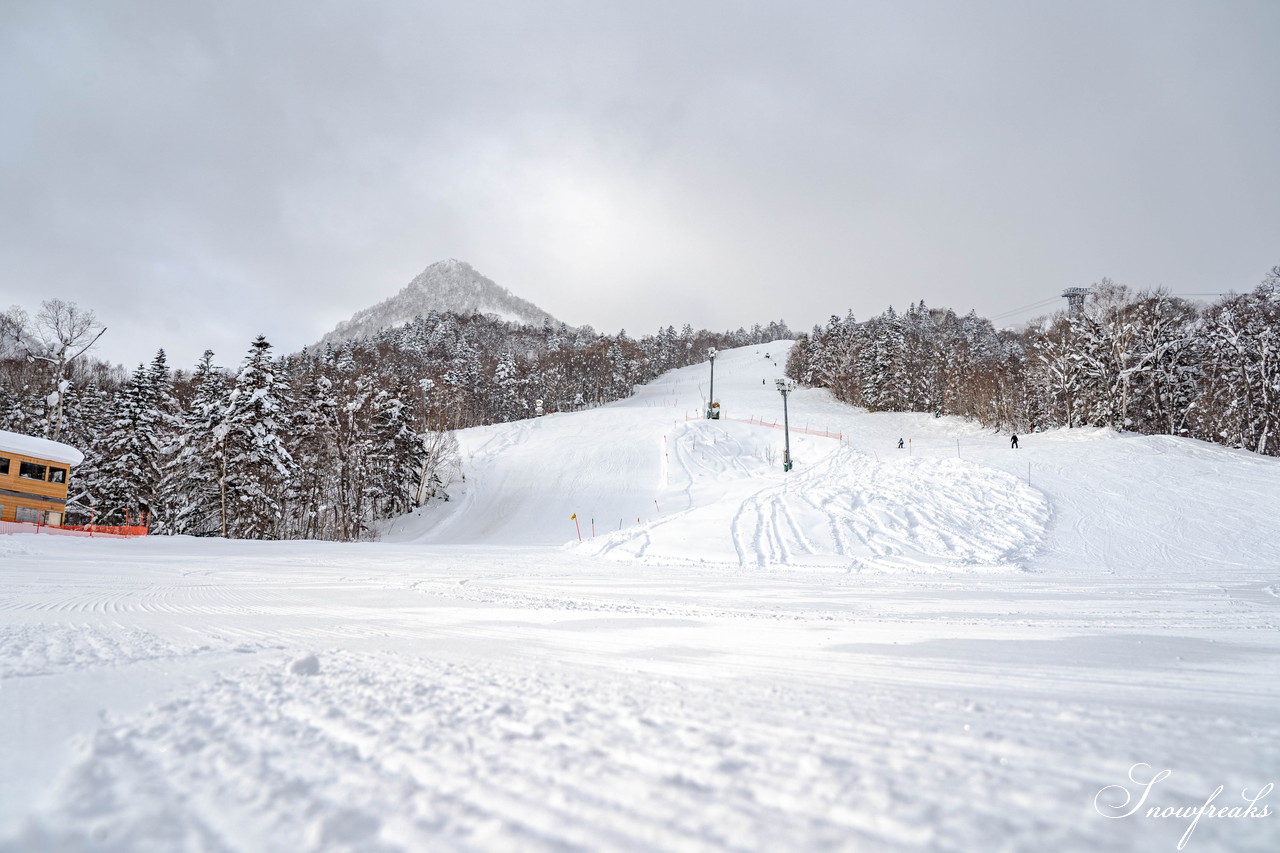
33, 478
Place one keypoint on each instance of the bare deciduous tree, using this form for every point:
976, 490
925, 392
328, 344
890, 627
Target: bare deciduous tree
13, 332
60, 333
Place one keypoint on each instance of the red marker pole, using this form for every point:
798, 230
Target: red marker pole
574, 517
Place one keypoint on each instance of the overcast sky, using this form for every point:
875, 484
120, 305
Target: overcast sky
201, 172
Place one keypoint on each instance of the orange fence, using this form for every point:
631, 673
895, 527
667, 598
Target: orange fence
106, 531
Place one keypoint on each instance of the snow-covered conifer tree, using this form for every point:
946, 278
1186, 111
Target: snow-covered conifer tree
256, 466
130, 473
191, 481
509, 401
89, 416
398, 454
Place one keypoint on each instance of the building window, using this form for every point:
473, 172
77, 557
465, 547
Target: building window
57, 475
31, 471
27, 514
4, 465
53, 518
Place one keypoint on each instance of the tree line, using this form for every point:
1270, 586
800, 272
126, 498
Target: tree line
321, 444
1147, 362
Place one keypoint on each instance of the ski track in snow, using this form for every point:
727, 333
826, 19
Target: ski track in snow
882, 650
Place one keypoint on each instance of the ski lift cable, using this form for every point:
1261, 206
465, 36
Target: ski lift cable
1032, 306
1052, 299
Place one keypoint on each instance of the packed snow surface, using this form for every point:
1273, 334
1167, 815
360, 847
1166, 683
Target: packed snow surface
951, 646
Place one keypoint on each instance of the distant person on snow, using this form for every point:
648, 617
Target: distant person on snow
899, 444
1013, 443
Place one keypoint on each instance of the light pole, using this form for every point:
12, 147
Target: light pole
785, 387
711, 397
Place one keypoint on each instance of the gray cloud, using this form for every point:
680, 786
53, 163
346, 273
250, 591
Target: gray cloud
199, 173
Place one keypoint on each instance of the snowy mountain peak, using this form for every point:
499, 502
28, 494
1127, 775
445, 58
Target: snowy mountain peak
445, 286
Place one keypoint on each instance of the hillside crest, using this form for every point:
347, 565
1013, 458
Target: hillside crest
445, 286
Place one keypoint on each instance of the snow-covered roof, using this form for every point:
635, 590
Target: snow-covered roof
39, 448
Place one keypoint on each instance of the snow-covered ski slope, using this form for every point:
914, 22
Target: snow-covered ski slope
665, 490
883, 650
652, 486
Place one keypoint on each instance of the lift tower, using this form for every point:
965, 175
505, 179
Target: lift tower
1075, 300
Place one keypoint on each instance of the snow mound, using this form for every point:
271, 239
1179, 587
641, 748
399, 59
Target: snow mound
844, 510
309, 665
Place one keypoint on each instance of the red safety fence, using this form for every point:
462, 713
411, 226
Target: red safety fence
824, 433
131, 527
105, 531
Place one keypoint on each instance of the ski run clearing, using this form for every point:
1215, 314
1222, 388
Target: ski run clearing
955, 646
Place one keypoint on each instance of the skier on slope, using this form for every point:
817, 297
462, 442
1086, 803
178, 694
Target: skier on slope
1013, 443
899, 444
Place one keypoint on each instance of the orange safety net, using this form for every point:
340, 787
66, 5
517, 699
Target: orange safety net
108, 529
